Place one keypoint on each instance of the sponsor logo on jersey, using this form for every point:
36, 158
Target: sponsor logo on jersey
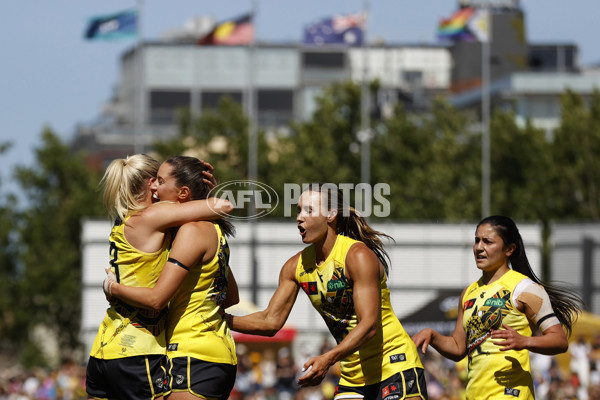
172, 347
512, 392
335, 285
495, 302
394, 358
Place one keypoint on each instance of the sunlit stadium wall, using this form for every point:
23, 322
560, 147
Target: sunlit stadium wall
575, 259
425, 258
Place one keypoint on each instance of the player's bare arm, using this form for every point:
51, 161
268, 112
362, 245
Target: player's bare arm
269, 321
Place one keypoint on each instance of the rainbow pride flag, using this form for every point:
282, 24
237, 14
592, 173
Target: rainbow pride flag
455, 28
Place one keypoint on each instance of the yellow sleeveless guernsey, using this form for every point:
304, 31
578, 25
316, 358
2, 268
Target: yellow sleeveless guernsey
195, 325
127, 330
390, 351
495, 374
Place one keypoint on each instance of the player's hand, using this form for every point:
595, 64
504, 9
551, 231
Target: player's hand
108, 282
512, 339
422, 339
209, 178
316, 369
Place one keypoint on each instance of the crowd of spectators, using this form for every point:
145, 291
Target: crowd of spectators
271, 374
64, 383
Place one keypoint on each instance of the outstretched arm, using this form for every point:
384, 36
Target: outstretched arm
269, 321
365, 271
453, 347
186, 252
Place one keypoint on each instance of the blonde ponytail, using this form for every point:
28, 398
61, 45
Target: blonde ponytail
125, 182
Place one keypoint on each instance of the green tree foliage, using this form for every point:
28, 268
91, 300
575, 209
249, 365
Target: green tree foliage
432, 161
9, 304
413, 154
325, 148
60, 191
409, 152
522, 170
219, 136
576, 148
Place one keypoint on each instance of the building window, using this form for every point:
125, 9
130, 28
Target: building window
165, 103
315, 59
412, 78
275, 107
275, 100
169, 99
212, 99
553, 58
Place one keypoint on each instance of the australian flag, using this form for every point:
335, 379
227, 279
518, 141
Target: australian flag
340, 29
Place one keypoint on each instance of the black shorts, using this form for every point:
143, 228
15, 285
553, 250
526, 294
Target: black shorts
131, 378
206, 379
410, 382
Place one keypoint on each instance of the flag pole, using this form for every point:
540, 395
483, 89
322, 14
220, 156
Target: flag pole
485, 115
138, 144
252, 152
365, 131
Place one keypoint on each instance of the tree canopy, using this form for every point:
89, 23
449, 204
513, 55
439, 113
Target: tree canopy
44, 244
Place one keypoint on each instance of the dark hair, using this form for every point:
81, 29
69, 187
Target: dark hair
567, 304
187, 171
350, 223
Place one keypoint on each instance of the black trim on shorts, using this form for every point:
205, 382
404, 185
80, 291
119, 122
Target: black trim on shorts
410, 382
135, 378
206, 379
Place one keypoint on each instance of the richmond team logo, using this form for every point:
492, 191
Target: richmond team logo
486, 318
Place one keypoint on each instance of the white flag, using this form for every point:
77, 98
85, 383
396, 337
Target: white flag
479, 25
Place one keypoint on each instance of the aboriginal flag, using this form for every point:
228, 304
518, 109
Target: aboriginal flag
239, 31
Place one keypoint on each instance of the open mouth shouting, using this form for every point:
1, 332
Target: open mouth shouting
302, 231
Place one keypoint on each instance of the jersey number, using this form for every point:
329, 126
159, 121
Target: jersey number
114, 256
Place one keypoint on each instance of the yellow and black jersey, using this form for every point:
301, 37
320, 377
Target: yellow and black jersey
196, 327
495, 374
127, 330
330, 293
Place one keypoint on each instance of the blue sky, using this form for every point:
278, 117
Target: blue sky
51, 76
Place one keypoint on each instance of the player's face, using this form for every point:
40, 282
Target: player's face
164, 187
311, 217
489, 249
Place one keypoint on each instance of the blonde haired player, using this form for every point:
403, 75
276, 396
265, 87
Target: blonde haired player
128, 354
198, 284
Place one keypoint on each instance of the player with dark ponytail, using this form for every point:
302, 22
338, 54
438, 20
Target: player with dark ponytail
496, 315
343, 270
